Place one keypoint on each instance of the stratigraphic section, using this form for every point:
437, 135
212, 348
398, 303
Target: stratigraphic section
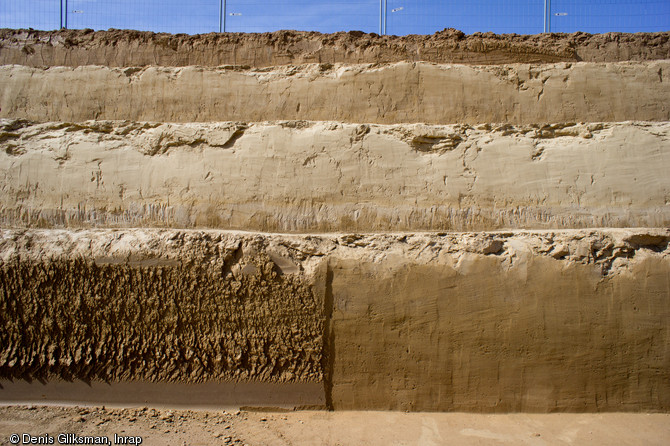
328, 176
534, 322
124, 48
160, 307
363, 93
548, 321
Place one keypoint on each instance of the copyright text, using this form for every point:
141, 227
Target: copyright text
73, 439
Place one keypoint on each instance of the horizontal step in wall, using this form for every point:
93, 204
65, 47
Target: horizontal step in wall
571, 320
194, 396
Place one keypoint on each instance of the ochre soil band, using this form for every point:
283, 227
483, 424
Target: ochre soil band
336, 149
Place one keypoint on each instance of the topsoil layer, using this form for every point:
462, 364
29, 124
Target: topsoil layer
123, 48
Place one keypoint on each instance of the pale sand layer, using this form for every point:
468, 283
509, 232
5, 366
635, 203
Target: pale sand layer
325, 176
174, 428
360, 93
541, 321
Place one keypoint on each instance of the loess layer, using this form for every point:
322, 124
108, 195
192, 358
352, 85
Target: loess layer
522, 333
325, 176
517, 321
364, 93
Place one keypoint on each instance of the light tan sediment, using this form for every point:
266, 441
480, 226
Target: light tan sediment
325, 176
402, 92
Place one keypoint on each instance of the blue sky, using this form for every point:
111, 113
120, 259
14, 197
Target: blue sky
403, 16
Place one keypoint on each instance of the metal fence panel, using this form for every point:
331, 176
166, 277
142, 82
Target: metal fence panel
400, 17
428, 16
303, 15
601, 16
174, 16
37, 14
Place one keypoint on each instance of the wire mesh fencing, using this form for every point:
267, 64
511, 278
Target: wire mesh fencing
601, 16
427, 16
303, 15
399, 17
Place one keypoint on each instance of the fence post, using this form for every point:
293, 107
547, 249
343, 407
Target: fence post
222, 16
547, 16
381, 9
65, 14
382, 16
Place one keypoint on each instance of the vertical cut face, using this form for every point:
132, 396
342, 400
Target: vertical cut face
539, 336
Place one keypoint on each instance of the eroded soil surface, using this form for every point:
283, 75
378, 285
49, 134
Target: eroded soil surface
127, 48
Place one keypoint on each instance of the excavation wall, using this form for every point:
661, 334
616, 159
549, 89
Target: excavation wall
508, 331
386, 94
128, 160
311, 176
543, 321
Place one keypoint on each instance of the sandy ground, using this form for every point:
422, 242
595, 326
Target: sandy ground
183, 427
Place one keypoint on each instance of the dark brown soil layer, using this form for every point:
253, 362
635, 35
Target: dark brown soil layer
124, 48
